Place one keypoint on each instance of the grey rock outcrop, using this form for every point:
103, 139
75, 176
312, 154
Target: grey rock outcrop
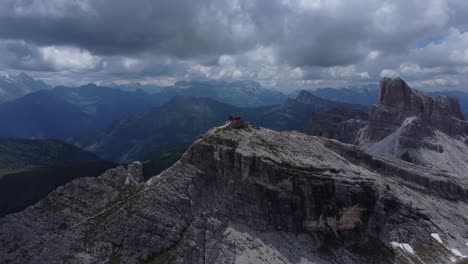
250, 195
415, 127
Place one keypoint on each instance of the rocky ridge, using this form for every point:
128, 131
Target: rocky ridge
341, 123
243, 194
428, 131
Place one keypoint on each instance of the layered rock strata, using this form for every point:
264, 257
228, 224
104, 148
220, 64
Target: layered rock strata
250, 195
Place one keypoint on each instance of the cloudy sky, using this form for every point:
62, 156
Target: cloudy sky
281, 43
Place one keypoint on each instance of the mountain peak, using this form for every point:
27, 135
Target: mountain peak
416, 127
396, 93
306, 97
15, 86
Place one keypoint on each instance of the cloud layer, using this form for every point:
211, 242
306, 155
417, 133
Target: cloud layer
281, 43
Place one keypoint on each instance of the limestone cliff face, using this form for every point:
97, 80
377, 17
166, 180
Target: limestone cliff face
396, 93
409, 125
397, 102
249, 195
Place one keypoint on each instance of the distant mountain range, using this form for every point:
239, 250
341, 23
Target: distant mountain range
64, 113
125, 125
67, 112
238, 93
362, 95
30, 169
15, 86
182, 119
133, 87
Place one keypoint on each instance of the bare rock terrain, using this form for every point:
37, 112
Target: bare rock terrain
243, 194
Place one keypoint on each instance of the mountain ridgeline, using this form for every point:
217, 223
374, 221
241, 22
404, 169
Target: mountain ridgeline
16, 86
68, 113
183, 119
63, 113
238, 93
244, 194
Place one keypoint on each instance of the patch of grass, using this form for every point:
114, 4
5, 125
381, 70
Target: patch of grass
430, 254
53, 206
162, 258
115, 258
222, 129
287, 163
7, 171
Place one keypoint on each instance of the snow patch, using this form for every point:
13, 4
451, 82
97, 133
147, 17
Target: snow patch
408, 248
437, 237
458, 253
404, 246
453, 259
409, 120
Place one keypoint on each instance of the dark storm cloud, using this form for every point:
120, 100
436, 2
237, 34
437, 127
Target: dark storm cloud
333, 35
22, 56
188, 29
120, 27
275, 41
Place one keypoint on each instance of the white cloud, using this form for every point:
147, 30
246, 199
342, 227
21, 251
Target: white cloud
69, 58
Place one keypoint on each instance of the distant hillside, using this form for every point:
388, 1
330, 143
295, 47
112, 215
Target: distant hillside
69, 113
157, 161
15, 86
366, 95
238, 93
133, 87
106, 104
43, 115
182, 119
24, 153
177, 122
64, 112
30, 169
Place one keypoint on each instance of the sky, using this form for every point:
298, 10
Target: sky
283, 44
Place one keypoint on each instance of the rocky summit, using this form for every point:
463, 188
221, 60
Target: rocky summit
243, 194
428, 131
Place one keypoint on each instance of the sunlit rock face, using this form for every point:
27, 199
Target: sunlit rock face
243, 194
429, 131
